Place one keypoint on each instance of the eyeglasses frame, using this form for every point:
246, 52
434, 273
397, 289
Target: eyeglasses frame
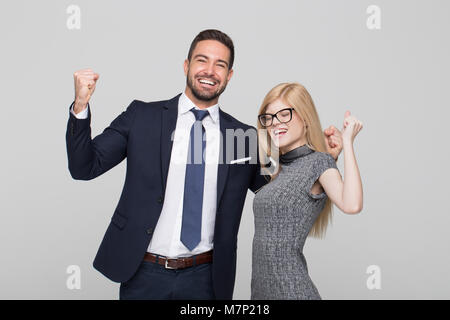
275, 116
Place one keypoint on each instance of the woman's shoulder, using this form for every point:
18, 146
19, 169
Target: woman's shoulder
318, 155
322, 160
315, 159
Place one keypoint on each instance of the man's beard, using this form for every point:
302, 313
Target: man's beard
204, 95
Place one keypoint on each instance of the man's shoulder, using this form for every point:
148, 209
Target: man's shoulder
155, 104
237, 123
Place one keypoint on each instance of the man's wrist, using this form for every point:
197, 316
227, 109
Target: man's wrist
79, 106
83, 114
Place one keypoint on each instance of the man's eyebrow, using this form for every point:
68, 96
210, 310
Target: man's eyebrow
223, 61
203, 56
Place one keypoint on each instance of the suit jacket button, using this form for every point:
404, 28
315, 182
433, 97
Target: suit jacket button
149, 231
160, 199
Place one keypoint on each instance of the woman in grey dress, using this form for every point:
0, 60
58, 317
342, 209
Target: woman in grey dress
297, 201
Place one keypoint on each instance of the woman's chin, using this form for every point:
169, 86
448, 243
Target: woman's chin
276, 142
280, 144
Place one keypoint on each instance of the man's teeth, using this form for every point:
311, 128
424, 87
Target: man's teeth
207, 82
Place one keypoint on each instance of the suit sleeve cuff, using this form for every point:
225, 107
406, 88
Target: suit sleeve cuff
82, 114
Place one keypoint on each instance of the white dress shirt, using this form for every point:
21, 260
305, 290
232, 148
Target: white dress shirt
166, 236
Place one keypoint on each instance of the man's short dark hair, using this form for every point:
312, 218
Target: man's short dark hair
212, 34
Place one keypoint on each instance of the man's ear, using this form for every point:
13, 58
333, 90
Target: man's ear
186, 66
230, 74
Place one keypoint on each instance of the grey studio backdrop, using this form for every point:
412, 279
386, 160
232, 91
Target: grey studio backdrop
395, 79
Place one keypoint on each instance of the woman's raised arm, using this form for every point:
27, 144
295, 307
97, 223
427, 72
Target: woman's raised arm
346, 194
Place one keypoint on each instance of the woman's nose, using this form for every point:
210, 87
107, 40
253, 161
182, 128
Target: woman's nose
273, 121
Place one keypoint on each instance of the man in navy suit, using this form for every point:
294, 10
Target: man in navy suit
173, 234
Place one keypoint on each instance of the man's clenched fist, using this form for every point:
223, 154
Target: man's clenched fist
85, 81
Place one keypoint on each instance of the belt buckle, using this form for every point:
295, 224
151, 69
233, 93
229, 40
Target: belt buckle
167, 266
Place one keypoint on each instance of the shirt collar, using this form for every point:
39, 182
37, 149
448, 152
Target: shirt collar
296, 153
185, 105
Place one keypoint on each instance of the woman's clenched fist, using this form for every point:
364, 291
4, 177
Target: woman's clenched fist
352, 126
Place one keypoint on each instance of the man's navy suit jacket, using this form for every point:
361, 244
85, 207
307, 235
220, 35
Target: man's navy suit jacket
143, 135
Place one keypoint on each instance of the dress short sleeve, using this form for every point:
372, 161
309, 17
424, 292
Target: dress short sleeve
323, 162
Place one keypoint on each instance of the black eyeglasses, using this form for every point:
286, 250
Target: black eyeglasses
283, 116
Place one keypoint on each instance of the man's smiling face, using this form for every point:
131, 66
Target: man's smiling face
208, 73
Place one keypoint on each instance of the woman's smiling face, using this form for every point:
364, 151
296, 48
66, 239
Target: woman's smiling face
288, 135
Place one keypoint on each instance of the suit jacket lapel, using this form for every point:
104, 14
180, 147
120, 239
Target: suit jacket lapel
222, 170
169, 122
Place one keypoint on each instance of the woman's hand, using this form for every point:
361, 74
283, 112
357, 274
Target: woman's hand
346, 194
352, 127
333, 141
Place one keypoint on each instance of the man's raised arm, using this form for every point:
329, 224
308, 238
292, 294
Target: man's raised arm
88, 158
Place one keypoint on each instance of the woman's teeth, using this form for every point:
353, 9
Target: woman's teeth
280, 132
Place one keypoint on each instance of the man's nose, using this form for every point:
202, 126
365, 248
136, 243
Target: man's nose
210, 69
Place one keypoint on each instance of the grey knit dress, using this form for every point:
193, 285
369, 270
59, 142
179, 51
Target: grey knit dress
285, 212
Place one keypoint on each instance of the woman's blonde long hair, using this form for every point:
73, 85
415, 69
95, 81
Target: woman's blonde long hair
296, 96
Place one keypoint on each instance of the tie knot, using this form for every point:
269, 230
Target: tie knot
199, 114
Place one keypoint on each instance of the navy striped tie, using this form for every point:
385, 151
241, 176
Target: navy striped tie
191, 226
